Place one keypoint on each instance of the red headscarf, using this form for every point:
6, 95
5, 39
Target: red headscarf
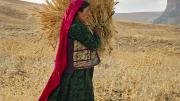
61, 56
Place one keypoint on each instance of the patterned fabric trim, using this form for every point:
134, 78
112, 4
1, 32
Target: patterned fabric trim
84, 57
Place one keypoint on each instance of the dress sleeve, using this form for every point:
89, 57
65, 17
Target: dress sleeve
81, 33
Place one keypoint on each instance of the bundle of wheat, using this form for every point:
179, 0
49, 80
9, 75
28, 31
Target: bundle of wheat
101, 16
52, 13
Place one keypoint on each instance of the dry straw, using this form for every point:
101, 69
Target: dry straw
51, 14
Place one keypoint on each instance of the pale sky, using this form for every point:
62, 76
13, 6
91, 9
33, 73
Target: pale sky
126, 6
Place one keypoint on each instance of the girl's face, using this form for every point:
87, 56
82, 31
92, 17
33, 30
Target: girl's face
84, 14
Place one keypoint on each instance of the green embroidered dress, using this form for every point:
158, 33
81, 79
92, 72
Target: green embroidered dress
77, 85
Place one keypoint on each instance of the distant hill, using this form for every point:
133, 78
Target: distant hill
147, 17
171, 15
11, 10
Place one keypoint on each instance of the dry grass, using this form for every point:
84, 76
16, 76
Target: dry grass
144, 65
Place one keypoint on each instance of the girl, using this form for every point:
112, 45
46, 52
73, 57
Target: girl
81, 55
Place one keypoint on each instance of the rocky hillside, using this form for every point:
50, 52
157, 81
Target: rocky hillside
171, 15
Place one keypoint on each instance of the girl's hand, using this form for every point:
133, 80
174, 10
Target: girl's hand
98, 29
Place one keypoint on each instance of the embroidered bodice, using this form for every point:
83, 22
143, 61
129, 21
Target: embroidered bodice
82, 47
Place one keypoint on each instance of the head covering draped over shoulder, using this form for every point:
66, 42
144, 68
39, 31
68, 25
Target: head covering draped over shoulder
61, 56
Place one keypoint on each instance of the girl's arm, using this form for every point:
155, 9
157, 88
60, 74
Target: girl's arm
81, 33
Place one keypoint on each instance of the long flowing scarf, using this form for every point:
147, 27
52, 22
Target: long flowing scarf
61, 56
